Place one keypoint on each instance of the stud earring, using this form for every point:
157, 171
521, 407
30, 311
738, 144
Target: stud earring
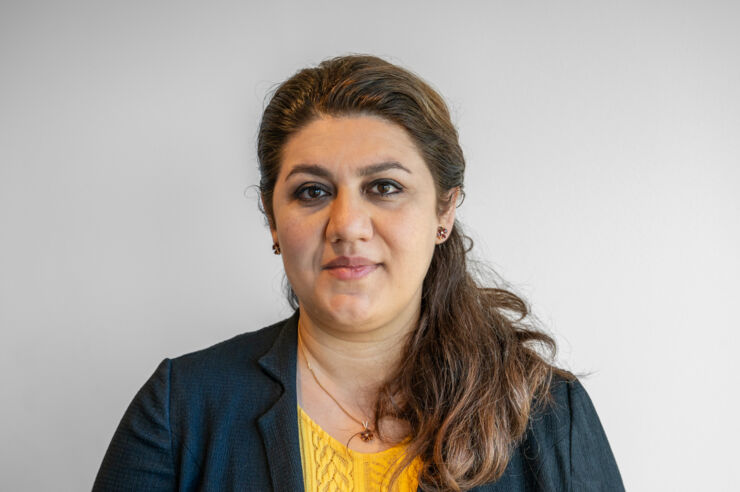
276, 248
442, 232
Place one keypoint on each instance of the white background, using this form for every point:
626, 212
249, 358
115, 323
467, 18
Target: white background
603, 148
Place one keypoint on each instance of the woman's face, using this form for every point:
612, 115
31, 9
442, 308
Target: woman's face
355, 214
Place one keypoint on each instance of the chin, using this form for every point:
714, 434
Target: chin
347, 312
350, 311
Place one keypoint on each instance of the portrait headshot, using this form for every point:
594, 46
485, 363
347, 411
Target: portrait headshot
369, 247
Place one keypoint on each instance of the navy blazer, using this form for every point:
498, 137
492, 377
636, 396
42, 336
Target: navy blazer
225, 418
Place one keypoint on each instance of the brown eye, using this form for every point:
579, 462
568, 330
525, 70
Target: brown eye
385, 188
311, 192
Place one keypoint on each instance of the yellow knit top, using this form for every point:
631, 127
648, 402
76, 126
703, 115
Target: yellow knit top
330, 466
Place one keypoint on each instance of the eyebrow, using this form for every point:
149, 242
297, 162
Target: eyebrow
317, 170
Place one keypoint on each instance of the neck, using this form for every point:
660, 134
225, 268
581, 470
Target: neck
353, 364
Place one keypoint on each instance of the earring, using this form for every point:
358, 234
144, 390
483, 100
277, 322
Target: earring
442, 232
276, 248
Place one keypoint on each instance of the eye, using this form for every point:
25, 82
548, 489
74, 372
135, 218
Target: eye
385, 187
311, 192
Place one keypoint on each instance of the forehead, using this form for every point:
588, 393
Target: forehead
350, 141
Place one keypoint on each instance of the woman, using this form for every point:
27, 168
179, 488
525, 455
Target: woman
397, 370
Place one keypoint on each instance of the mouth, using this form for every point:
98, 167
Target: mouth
350, 268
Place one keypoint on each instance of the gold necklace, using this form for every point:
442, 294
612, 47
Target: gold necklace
366, 434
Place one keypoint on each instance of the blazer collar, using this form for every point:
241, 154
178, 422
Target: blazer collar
279, 425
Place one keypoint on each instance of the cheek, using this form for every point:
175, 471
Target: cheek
413, 239
291, 226
299, 239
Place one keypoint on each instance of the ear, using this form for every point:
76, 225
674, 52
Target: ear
447, 214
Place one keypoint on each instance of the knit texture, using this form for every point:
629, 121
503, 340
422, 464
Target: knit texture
329, 466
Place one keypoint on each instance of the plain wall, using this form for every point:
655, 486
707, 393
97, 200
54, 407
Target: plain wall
603, 150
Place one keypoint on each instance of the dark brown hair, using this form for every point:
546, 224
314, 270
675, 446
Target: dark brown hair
473, 368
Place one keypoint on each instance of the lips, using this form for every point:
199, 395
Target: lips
350, 267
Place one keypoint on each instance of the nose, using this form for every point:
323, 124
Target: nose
349, 218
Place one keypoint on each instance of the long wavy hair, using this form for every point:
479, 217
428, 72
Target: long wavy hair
474, 367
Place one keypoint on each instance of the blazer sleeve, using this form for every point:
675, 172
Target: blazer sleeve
592, 464
140, 456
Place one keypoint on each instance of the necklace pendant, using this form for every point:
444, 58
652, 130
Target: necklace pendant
367, 435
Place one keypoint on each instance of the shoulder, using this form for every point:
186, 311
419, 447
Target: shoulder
551, 415
229, 372
213, 367
550, 419
239, 352
566, 414
167, 431
217, 381
565, 446
220, 389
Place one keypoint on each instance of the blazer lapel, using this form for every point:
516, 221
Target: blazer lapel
279, 425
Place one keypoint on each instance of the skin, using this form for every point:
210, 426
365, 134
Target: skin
356, 217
